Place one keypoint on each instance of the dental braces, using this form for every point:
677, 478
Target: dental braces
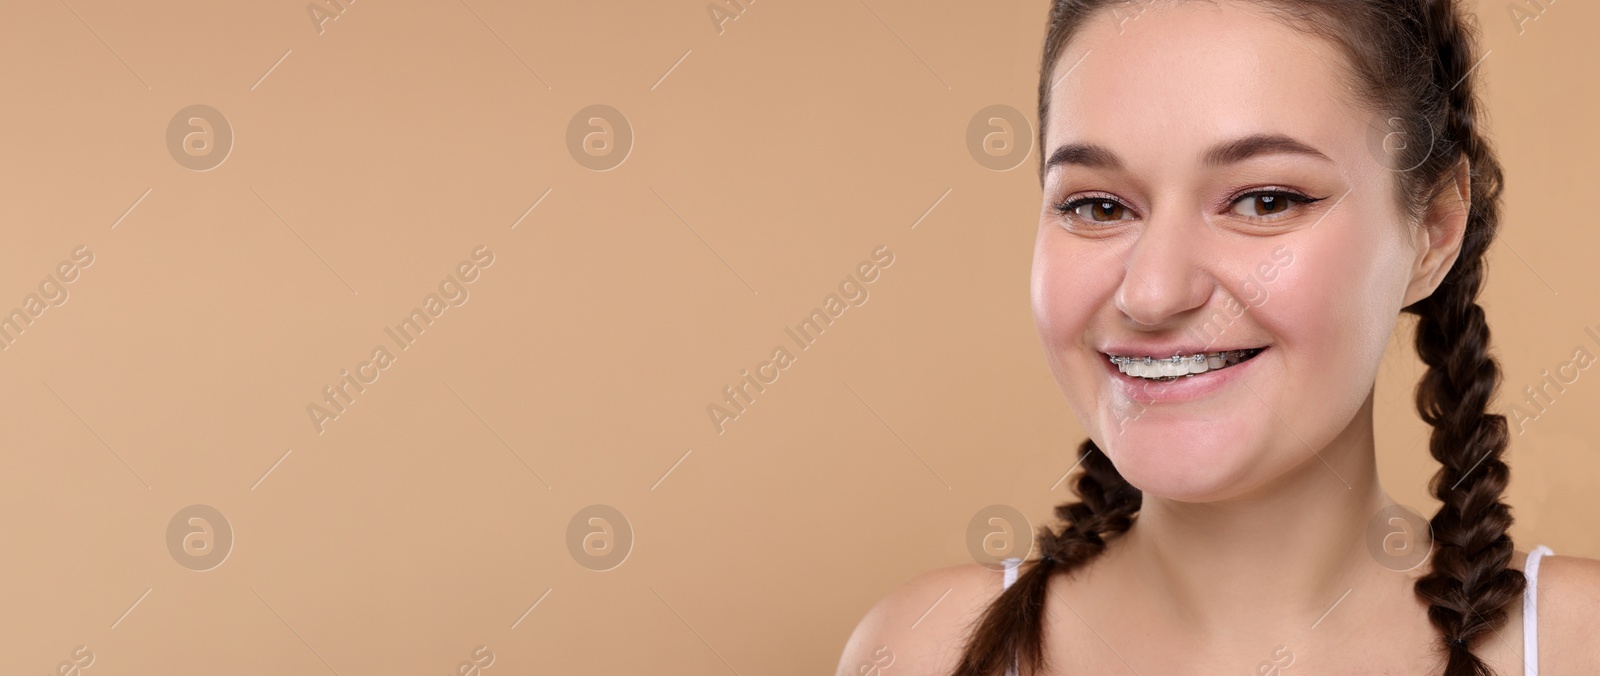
1176, 359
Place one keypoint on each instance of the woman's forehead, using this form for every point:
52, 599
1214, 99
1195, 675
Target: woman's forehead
1178, 78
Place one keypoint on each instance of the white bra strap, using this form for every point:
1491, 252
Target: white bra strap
1530, 612
1010, 579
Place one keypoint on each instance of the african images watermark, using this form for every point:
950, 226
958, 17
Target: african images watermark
77, 662
323, 11
1399, 537
1257, 291
1282, 658
852, 293
997, 533
199, 137
999, 137
199, 537
599, 137
340, 396
1523, 11
1538, 399
52, 293
723, 11
599, 538
478, 662
882, 659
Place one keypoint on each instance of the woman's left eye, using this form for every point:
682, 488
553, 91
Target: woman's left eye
1268, 203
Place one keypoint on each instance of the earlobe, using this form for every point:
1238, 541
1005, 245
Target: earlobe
1443, 232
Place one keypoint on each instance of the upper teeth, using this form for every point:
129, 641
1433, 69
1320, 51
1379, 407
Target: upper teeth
1179, 365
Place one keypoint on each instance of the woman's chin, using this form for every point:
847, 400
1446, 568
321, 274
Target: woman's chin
1184, 463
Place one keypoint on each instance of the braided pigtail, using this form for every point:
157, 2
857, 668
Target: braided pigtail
1471, 585
1012, 627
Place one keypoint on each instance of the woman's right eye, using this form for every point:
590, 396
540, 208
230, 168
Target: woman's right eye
1096, 210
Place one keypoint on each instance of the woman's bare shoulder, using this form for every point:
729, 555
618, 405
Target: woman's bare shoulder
921, 626
1569, 614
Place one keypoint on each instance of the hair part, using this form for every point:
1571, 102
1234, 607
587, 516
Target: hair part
1412, 62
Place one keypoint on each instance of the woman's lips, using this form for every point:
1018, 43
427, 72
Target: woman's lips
1184, 388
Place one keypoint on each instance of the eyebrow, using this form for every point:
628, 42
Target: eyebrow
1258, 144
1222, 154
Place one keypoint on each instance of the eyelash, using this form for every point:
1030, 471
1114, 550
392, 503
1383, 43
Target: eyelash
1295, 197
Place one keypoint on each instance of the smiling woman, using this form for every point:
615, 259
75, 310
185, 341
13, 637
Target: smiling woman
1229, 485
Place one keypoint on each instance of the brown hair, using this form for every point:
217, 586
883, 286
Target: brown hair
1412, 61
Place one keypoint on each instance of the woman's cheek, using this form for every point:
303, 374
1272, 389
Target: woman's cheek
1328, 323
1067, 293
1059, 301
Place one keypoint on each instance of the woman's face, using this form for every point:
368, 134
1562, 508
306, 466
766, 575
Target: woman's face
1213, 186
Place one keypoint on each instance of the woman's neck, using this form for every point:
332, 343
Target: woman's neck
1281, 555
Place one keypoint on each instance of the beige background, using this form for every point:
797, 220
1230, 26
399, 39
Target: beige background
768, 160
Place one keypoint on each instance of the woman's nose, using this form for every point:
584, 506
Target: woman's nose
1167, 271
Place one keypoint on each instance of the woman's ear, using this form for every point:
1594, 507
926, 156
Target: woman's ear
1439, 237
